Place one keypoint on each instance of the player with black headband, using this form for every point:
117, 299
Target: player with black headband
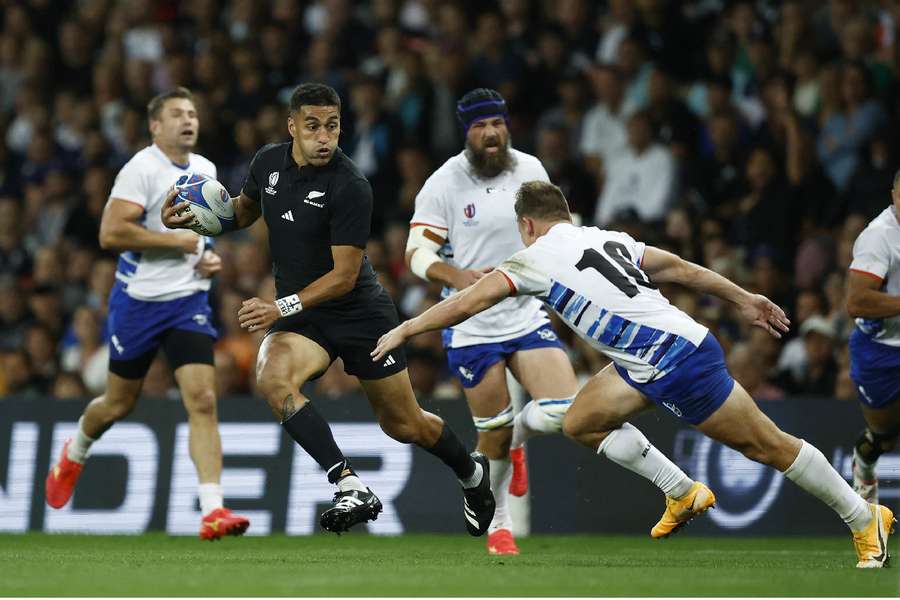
464, 225
318, 208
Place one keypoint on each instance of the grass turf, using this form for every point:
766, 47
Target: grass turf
433, 565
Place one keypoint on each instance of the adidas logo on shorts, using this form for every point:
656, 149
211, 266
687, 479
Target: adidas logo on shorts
390, 361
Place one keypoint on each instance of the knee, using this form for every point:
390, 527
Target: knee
120, 406
201, 403
405, 432
576, 426
572, 426
275, 384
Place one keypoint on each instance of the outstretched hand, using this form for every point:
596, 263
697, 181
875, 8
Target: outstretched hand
765, 314
389, 341
467, 277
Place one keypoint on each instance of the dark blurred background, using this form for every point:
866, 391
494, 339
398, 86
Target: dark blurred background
755, 138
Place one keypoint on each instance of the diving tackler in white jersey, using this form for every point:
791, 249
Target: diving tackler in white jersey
603, 284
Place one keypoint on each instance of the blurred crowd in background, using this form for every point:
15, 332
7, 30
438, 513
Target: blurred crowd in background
755, 138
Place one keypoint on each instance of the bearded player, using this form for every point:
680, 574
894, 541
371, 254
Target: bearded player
464, 224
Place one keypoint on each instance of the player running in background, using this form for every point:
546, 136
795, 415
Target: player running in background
318, 209
603, 285
467, 205
873, 299
159, 299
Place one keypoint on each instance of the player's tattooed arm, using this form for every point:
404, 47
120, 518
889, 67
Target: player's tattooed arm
665, 267
485, 293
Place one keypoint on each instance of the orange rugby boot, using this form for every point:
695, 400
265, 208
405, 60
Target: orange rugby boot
61, 479
222, 522
518, 485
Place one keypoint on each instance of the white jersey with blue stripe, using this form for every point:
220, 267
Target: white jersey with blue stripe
876, 254
592, 278
157, 274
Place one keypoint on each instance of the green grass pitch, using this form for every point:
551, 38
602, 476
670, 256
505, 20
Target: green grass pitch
433, 565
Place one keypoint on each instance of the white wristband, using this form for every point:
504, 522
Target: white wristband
289, 305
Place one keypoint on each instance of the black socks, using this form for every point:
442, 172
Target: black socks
449, 449
312, 432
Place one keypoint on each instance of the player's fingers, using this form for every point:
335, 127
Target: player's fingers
247, 312
780, 324
170, 197
486, 270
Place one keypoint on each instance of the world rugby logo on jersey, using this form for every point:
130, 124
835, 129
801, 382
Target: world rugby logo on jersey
273, 180
469, 211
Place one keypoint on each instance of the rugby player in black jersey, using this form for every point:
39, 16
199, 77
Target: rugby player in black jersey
318, 208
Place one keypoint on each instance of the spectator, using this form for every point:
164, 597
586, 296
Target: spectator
820, 374
717, 178
641, 180
17, 375
68, 386
674, 124
40, 345
604, 135
12, 315
846, 134
88, 356
760, 216
553, 150
791, 157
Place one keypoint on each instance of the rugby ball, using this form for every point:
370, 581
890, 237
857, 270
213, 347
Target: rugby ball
208, 202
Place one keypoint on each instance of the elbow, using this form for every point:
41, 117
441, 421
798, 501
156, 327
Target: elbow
854, 307
346, 284
108, 239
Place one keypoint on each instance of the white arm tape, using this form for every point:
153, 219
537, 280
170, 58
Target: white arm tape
425, 249
423, 258
289, 305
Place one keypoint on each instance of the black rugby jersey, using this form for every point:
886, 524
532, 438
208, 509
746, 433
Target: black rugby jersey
308, 210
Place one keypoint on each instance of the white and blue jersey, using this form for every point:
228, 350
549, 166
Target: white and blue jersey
158, 274
875, 343
592, 278
479, 218
157, 289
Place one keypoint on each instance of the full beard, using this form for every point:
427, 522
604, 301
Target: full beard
488, 166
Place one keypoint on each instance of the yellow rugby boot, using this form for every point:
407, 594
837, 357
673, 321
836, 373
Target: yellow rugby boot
871, 543
698, 500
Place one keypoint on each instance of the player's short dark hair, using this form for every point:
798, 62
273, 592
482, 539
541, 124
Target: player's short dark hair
155, 106
541, 200
314, 94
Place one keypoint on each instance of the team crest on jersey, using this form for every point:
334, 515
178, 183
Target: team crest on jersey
273, 179
469, 211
